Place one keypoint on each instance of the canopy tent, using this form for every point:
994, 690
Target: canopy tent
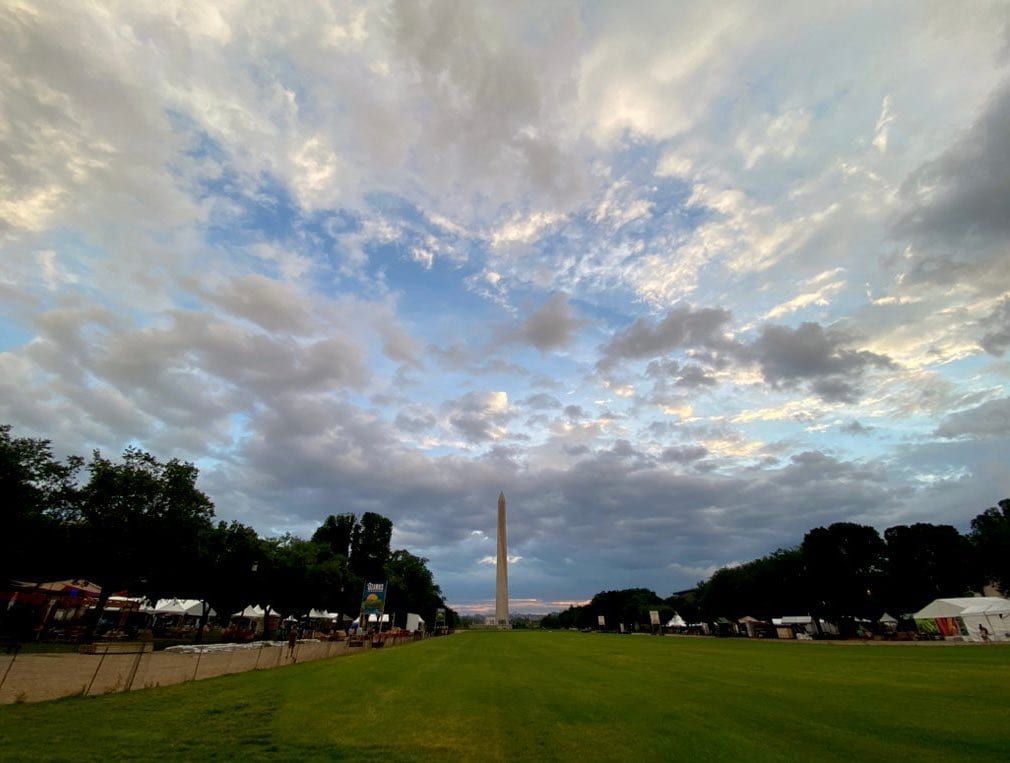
963, 616
676, 622
886, 619
993, 616
322, 614
255, 612
182, 607
750, 625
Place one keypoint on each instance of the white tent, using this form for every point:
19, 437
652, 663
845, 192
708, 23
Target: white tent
322, 614
886, 619
993, 616
184, 607
255, 612
676, 622
991, 612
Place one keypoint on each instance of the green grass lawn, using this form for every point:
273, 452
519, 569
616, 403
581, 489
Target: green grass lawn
548, 696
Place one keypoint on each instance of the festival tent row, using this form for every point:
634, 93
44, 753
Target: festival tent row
975, 618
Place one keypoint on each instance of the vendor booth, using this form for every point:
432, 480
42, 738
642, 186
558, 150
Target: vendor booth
972, 618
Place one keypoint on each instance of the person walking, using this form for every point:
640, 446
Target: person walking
292, 642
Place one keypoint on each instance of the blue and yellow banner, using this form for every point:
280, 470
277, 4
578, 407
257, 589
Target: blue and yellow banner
373, 599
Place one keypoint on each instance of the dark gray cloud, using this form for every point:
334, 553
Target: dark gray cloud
811, 355
415, 419
683, 454
689, 375
855, 428
808, 355
963, 192
681, 327
991, 419
552, 326
575, 412
479, 416
957, 207
996, 339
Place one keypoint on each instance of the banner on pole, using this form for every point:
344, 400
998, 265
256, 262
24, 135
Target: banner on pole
654, 617
440, 615
601, 621
373, 600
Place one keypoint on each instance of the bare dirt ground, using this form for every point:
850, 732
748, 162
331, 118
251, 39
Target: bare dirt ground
38, 677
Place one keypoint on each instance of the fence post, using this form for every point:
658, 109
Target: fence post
14, 655
136, 665
87, 691
196, 670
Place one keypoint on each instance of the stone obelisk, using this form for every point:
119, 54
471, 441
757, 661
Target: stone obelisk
501, 598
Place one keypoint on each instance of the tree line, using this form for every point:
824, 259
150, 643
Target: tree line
143, 526
839, 572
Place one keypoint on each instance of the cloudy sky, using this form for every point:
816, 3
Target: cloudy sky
683, 280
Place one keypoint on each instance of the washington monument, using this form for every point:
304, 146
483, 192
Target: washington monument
501, 598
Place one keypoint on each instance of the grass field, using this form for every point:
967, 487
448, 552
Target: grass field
546, 696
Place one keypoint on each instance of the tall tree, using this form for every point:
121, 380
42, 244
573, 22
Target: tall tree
370, 545
143, 520
990, 535
336, 532
844, 564
37, 494
925, 562
412, 586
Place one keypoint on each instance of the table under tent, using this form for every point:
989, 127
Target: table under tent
969, 618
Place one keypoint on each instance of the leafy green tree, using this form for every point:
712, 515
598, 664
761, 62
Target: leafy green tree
765, 587
37, 495
925, 562
143, 522
844, 563
990, 535
412, 586
336, 532
370, 545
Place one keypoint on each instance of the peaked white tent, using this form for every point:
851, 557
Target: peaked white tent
676, 622
322, 614
993, 616
183, 607
255, 612
990, 612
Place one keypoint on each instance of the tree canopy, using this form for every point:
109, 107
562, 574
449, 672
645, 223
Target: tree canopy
141, 525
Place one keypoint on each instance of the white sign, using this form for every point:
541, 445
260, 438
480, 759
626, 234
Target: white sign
654, 617
601, 621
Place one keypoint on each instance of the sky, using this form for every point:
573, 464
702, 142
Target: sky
684, 280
